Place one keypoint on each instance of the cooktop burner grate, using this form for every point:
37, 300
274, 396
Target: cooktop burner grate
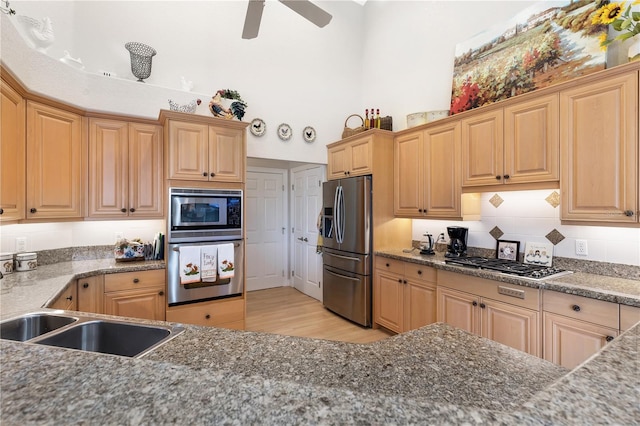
524, 270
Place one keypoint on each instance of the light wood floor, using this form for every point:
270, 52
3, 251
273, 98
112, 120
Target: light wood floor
285, 310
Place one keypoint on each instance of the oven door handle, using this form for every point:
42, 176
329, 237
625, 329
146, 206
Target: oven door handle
343, 257
343, 276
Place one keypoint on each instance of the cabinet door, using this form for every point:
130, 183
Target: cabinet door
442, 172
361, 157
67, 300
146, 186
599, 151
219, 313
91, 294
188, 151
389, 299
108, 172
511, 325
569, 342
458, 309
482, 149
531, 141
408, 180
146, 303
226, 155
55, 163
12, 154
419, 306
338, 163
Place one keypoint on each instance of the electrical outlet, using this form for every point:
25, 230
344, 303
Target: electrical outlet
21, 244
581, 248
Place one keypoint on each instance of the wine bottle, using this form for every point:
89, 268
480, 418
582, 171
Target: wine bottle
366, 118
372, 121
377, 118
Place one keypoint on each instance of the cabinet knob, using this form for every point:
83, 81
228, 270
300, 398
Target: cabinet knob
388, 265
419, 210
212, 174
628, 213
85, 285
506, 176
70, 298
498, 177
474, 303
404, 281
132, 210
207, 316
161, 293
204, 174
419, 272
136, 280
1, 211
400, 280
33, 210
575, 308
482, 305
123, 210
609, 338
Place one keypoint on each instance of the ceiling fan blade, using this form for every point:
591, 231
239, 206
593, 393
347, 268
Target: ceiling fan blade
308, 10
253, 18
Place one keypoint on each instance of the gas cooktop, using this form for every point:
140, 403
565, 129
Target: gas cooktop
524, 270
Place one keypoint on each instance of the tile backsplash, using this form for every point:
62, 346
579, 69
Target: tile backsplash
534, 216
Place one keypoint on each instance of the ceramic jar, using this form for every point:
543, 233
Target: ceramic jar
6, 263
26, 262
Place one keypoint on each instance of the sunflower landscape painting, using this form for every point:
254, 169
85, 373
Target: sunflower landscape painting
548, 43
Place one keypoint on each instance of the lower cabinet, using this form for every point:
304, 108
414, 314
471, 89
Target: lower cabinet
68, 300
136, 294
629, 316
508, 314
228, 313
576, 327
404, 295
91, 294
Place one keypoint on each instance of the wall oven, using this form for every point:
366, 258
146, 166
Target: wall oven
199, 214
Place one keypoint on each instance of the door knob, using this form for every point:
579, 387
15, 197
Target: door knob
305, 240
300, 239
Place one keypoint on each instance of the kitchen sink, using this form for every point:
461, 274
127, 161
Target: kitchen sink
30, 326
82, 333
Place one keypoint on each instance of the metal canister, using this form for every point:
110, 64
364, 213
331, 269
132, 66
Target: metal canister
26, 261
6, 263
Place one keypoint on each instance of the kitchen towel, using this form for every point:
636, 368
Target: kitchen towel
226, 264
209, 263
189, 264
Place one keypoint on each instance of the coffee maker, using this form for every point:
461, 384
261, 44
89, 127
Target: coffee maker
457, 246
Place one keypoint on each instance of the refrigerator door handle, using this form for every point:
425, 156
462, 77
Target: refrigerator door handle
338, 214
343, 257
341, 213
343, 276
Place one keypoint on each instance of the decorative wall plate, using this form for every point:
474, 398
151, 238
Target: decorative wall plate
309, 134
258, 127
284, 132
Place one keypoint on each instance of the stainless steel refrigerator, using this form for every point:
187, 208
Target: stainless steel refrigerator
346, 230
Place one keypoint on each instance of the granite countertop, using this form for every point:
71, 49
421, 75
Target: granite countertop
610, 289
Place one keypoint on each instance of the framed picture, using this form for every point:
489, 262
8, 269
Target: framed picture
538, 253
507, 250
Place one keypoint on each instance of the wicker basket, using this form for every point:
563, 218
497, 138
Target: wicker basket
352, 131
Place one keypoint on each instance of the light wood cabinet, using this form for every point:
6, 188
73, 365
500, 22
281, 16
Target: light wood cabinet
12, 154
91, 294
67, 300
204, 152
220, 313
482, 307
516, 144
576, 327
427, 175
351, 157
138, 294
629, 316
125, 173
599, 150
56, 163
404, 295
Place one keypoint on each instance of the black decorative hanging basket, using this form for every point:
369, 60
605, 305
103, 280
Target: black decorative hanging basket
141, 56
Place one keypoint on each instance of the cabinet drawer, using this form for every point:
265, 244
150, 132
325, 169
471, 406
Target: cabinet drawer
582, 308
133, 280
209, 313
413, 271
390, 265
629, 316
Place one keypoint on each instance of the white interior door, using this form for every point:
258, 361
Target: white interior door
306, 205
265, 226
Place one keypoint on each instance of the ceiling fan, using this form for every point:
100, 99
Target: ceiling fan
304, 8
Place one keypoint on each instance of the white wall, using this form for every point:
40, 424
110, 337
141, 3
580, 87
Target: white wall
393, 55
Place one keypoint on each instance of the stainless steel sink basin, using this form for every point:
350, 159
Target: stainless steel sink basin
30, 326
114, 337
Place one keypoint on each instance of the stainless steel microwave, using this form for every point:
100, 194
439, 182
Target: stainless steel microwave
199, 214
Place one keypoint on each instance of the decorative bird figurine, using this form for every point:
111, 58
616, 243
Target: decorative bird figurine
189, 108
40, 33
67, 59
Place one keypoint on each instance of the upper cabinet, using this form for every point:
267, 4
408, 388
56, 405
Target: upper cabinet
12, 154
56, 163
599, 151
427, 173
350, 157
516, 144
205, 149
125, 172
